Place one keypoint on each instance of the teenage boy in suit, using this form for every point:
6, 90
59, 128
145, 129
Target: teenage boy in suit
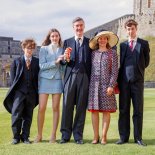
22, 96
134, 58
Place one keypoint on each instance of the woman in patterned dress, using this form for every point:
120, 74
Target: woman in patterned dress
50, 81
104, 73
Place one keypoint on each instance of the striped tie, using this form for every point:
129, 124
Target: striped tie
28, 62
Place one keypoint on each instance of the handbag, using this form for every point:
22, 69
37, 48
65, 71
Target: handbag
115, 88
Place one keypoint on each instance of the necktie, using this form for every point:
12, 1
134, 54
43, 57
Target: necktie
78, 42
28, 62
131, 44
77, 49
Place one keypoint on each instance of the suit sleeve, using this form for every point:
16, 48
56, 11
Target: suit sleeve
13, 71
114, 69
147, 53
120, 60
43, 64
120, 64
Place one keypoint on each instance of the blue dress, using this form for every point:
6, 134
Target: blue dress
50, 75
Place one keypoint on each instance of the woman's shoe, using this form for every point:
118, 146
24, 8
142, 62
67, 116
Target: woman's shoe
52, 141
103, 142
95, 141
37, 140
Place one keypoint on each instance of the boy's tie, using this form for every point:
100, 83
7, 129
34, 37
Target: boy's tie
28, 62
131, 44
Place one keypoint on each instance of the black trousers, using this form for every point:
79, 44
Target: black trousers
75, 96
131, 91
22, 113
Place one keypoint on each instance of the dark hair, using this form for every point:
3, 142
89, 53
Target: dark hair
130, 22
77, 19
28, 43
47, 40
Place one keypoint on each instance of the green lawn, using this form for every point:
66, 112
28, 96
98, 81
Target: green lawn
71, 148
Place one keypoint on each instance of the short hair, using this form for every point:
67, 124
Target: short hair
77, 19
130, 22
28, 43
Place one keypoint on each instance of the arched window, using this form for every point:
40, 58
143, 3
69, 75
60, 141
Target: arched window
149, 3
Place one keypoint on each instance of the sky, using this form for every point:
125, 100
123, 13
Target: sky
21, 19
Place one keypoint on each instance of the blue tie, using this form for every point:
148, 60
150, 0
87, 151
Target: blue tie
77, 49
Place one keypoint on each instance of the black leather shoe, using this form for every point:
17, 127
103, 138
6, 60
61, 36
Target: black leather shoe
62, 141
15, 141
25, 141
79, 142
120, 141
140, 142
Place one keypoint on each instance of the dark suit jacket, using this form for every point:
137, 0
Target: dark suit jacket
16, 73
86, 53
142, 56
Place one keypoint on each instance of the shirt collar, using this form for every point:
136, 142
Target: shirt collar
76, 37
27, 58
135, 39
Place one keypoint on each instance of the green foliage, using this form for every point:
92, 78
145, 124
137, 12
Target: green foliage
150, 71
45, 148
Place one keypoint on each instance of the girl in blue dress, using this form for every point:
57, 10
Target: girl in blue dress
50, 81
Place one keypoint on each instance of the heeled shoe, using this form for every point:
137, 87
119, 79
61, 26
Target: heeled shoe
103, 141
52, 141
96, 141
37, 140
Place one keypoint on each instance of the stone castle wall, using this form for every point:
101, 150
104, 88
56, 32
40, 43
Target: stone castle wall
9, 50
12, 48
143, 13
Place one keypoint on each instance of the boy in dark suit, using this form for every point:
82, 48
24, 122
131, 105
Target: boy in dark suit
134, 58
22, 96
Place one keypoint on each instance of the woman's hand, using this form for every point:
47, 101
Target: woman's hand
60, 58
110, 91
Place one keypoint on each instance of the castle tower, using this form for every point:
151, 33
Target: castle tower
144, 14
144, 7
144, 11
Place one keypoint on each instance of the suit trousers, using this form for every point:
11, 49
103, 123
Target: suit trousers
75, 96
22, 112
131, 91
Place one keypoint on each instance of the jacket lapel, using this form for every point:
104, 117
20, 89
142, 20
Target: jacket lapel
85, 50
22, 64
32, 66
137, 49
124, 50
72, 44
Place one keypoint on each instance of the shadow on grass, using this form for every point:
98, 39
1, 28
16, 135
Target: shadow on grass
131, 141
